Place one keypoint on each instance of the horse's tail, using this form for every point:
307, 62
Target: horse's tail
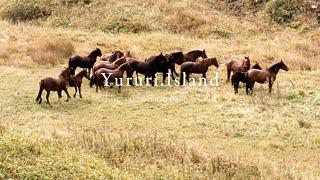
39, 99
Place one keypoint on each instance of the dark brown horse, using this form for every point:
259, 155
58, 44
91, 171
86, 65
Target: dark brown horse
239, 76
194, 55
262, 76
114, 76
175, 58
54, 84
76, 81
112, 57
149, 68
196, 67
234, 66
84, 61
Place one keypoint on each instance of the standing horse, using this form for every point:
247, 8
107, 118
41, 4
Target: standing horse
112, 57
262, 76
194, 55
114, 76
54, 84
239, 76
234, 66
163, 67
175, 58
84, 61
149, 68
76, 81
196, 67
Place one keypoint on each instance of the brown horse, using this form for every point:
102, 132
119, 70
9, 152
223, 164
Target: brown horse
84, 61
107, 65
54, 84
234, 66
76, 81
262, 76
194, 55
175, 58
114, 76
112, 57
196, 67
239, 76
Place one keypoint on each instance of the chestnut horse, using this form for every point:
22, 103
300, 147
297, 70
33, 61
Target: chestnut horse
76, 81
196, 67
234, 66
54, 84
114, 76
84, 61
112, 57
262, 76
194, 55
239, 76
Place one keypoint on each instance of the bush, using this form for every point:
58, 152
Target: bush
75, 2
26, 10
283, 11
51, 52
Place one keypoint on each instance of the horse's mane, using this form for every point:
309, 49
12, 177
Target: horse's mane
273, 66
194, 51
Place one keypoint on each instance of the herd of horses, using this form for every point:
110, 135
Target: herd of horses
116, 64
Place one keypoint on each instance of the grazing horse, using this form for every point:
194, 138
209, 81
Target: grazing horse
239, 76
84, 61
54, 84
262, 76
196, 67
112, 57
114, 76
76, 81
234, 66
194, 55
149, 68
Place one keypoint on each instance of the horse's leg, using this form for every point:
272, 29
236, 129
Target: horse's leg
66, 91
270, 85
164, 76
75, 92
236, 86
47, 97
39, 99
187, 77
59, 96
247, 87
228, 74
79, 87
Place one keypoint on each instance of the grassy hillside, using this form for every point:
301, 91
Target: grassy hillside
160, 132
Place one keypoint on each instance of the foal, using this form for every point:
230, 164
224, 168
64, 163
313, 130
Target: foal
234, 66
114, 76
54, 84
76, 81
262, 76
197, 68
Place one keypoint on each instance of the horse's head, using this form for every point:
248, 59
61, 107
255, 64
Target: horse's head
246, 63
84, 73
128, 54
119, 54
283, 66
214, 61
203, 54
97, 52
161, 58
256, 66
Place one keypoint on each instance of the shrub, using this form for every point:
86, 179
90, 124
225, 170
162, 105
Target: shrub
51, 52
75, 2
26, 10
283, 11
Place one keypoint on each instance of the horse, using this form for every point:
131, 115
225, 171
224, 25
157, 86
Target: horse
107, 65
163, 67
196, 67
84, 61
54, 84
262, 76
175, 58
194, 55
234, 66
112, 57
149, 68
239, 76
76, 81
114, 76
